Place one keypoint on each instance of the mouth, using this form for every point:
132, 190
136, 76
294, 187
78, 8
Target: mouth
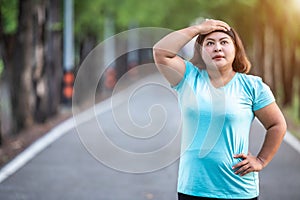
218, 57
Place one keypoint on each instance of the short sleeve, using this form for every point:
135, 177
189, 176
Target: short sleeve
188, 71
263, 95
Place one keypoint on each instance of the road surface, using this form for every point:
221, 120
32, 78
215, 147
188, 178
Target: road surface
80, 166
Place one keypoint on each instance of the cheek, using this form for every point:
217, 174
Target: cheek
233, 54
230, 53
205, 55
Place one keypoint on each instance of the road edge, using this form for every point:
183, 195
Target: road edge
54, 134
64, 127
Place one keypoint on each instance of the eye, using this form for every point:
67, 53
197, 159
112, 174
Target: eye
224, 42
209, 43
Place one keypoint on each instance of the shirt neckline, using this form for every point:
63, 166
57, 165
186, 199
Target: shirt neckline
222, 87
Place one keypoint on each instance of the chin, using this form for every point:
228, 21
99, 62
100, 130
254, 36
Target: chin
215, 66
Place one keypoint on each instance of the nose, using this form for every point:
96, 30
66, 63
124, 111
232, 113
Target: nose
217, 47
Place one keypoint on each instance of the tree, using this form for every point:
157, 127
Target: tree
48, 74
33, 71
30, 41
20, 68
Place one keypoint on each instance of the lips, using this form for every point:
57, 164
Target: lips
218, 57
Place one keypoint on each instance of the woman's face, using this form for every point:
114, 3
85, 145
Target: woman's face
218, 50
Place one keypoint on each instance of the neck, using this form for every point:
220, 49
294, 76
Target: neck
220, 78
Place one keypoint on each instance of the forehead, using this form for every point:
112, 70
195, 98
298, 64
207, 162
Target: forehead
217, 36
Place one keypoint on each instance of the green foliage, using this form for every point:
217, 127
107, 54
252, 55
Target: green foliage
148, 13
88, 18
90, 14
173, 14
9, 12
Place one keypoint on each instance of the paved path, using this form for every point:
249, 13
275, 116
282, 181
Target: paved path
66, 169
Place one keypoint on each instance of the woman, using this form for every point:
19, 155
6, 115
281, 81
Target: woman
218, 104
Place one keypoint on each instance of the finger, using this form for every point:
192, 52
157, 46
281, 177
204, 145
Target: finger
217, 22
222, 28
242, 169
240, 164
241, 155
219, 26
226, 26
238, 155
213, 25
247, 171
223, 24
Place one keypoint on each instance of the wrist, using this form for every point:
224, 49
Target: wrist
196, 29
261, 161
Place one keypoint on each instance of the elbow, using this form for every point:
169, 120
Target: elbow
155, 53
281, 128
158, 55
284, 127
158, 58
161, 56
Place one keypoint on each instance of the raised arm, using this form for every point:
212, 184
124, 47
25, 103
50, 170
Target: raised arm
165, 51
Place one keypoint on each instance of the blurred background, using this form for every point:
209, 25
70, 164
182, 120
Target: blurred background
44, 42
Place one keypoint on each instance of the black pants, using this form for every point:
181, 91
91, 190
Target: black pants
188, 197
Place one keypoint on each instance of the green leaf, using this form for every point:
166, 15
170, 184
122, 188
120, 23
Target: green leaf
9, 12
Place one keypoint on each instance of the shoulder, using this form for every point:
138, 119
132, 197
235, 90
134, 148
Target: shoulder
251, 82
259, 91
190, 77
191, 68
249, 79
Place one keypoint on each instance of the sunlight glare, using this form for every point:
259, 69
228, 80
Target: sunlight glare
296, 3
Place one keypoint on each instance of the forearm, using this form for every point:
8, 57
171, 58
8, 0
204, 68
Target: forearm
171, 44
273, 139
165, 51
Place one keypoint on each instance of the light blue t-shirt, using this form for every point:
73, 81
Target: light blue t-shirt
216, 125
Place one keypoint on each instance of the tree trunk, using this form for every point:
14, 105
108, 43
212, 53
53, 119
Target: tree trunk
259, 51
298, 75
293, 71
54, 69
268, 57
285, 70
22, 96
274, 69
86, 46
39, 78
1, 57
32, 59
0, 127
277, 66
259, 40
49, 73
282, 65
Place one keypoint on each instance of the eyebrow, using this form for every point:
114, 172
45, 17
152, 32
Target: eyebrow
226, 37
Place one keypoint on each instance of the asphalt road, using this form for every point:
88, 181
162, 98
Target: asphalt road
131, 152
